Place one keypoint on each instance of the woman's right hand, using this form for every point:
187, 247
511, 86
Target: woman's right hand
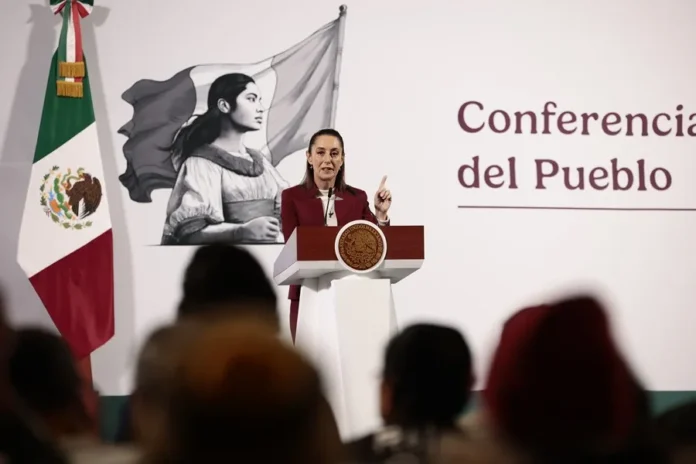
261, 229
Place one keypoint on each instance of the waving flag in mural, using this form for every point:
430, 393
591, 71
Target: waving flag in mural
272, 107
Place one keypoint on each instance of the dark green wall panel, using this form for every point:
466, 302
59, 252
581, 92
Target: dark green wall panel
112, 407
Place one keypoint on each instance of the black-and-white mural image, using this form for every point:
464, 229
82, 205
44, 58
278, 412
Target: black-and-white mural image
215, 134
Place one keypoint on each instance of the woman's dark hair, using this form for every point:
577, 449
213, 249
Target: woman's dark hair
308, 180
206, 127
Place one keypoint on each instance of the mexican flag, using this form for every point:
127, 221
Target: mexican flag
65, 243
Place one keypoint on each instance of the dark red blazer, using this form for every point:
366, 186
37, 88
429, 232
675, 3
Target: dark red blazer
301, 206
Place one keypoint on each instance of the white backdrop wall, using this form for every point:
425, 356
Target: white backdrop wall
407, 69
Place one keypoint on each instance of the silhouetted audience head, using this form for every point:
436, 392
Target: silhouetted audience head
427, 377
154, 376
44, 375
22, 438
225, 280
241, 395
558, 385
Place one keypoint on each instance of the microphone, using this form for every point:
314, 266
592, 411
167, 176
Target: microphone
328, 204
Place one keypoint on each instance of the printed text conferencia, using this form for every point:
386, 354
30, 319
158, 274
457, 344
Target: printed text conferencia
474, 118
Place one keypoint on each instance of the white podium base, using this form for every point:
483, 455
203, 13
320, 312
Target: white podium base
345, 322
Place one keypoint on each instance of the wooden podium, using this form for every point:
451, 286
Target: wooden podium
346, 314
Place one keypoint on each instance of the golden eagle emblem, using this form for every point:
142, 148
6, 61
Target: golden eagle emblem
360, 246
70, 198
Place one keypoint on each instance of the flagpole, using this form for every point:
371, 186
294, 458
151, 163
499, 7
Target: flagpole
342, 12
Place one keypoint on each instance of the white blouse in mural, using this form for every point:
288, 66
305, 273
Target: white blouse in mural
214, 186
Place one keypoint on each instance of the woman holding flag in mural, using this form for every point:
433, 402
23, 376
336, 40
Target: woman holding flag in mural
201, 133
224, 191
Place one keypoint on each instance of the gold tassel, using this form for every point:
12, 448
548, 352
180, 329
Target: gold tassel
70, 89
66, 69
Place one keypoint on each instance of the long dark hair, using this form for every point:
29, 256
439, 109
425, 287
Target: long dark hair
206, 128
308, 179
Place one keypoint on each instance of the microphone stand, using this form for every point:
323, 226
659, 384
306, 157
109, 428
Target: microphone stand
328, 204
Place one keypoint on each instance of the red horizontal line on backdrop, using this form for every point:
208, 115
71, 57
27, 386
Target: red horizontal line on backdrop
576, 208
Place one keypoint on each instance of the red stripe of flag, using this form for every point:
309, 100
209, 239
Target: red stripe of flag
60, 8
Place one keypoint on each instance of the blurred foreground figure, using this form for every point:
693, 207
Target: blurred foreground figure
241, 395
559, 391
224, 281
155, 373
23, 439
221, 282
426, 385
46, 380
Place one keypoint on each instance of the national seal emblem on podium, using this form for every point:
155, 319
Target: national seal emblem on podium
361, 246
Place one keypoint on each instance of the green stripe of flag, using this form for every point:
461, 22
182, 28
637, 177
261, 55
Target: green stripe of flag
62, 118
63, 42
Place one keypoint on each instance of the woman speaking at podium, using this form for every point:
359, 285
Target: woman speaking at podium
324, 198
